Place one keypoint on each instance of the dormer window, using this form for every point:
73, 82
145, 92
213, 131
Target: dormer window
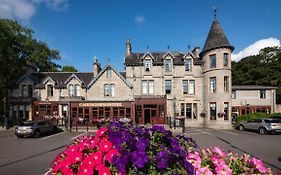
147, 64
188, 65
24, 92
74, 90
50, 90
168, 65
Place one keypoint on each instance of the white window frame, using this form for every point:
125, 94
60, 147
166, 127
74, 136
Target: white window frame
188, 65
191, 87
213, 84
168, 65
147, 64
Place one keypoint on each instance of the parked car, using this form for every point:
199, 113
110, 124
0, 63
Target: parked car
34, 128
263, 126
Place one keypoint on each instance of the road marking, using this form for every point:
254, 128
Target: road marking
52, 135
231, 132
207, 133
48, 172
73, 138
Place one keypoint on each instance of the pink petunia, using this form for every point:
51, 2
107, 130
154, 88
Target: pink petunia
100, 132
105, 146
71, 149
110, 154
103, 170
194, 159
203, 171
85, 170
217, 161
219, 151
97, 157
223, 170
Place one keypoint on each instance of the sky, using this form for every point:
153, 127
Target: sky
84, 29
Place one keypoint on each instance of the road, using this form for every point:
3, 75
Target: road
30, 156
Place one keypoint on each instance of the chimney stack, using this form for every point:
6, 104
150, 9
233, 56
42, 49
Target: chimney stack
196, 51
96, 66
128, 47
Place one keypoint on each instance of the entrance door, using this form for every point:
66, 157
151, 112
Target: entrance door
147, 116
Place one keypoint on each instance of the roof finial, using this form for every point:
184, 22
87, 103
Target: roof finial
147, 48
108, 60
215, 10
168, 48
188, 47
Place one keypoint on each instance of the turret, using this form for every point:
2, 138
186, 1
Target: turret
216, 56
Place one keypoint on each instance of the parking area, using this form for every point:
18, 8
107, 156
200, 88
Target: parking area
31, 155
27, 156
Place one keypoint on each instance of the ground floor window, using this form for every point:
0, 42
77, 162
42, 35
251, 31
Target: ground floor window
213, 111
188, 110
226, 109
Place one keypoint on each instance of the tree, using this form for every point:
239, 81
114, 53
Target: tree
261, 69
68, 69
17, 47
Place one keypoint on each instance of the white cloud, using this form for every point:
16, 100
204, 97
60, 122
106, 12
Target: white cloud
254, 48
25, 9
20, 9
139, 20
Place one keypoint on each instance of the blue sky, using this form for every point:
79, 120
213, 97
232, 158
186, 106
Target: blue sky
82, 29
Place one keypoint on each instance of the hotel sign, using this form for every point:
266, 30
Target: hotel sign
100, 104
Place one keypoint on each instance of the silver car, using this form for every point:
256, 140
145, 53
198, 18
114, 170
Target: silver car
263, 126
34, 128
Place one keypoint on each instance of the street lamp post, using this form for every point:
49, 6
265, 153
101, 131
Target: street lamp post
4, 116
47, 100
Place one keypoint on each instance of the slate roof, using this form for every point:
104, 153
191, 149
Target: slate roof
252, 87
59, 78
216, 38
158, 58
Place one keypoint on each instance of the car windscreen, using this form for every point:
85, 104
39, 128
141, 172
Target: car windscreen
272, 121
27, 124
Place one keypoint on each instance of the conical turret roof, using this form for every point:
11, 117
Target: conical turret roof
216, 38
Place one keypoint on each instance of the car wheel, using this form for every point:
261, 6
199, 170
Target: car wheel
262, 130
37, 134
19, 136
241, 128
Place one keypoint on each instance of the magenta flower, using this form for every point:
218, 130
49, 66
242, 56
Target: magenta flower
194, 158
105, 146
110, 155
203, 171
219, 151
100, 132
259, 165
223, 170
84, 169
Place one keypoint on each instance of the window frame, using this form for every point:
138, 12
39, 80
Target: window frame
213, 61
213, 111
225, 59
147, 64
262, 94
168, 83
50, 90
168, 65
226, 83
185, 85
213, 84
188, 65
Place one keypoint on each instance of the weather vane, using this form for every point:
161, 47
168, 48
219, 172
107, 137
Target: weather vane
215, 10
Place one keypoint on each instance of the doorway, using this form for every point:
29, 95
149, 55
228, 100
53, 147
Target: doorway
147, 116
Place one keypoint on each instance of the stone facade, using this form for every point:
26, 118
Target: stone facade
155, 87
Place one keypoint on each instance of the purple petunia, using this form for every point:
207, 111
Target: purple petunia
139, 158
162, 159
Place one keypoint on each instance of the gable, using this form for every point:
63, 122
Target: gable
102, 75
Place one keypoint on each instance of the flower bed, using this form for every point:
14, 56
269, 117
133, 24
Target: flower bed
123, 148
